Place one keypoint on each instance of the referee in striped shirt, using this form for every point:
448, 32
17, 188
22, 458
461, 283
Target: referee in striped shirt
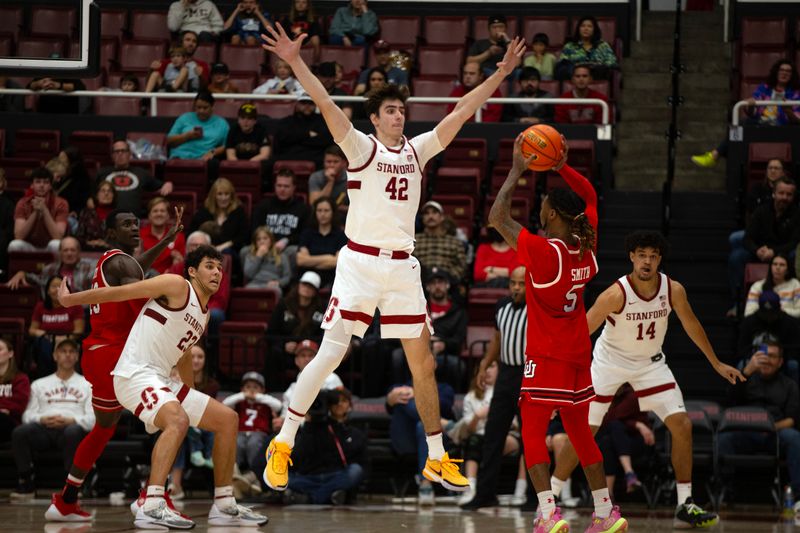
508, 345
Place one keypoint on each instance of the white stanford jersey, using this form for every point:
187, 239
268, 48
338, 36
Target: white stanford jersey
161, 335
384, 186
635, 334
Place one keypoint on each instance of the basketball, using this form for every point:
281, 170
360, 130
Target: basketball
545, 143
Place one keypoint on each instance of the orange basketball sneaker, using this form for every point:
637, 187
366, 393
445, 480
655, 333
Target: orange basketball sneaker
446, 472
276, 474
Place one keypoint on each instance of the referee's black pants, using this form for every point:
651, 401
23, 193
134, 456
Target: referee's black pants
502, 409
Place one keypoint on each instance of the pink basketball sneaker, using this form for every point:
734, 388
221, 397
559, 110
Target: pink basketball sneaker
613, 524
554, 524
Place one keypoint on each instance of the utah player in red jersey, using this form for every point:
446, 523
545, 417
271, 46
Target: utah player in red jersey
110, 323
558, 353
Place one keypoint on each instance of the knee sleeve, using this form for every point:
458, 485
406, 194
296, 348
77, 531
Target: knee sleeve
535, 419
92, 446
576, 423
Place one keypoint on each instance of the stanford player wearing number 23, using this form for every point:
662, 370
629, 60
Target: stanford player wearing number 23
558, 352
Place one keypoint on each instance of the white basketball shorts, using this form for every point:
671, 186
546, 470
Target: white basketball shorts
365, 282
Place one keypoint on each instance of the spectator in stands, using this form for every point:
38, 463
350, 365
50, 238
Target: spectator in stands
489, 52
494, 261
781, 280
435, 248
256, 411
383, 62
761, 191
330, 75
58, 415
769, 319
263, 265
449, 320
353, 25
11, 103
49, 322
284, 81
304, 351
158, 225
376, 78
91, 230
221, 80
331, 454
471, 77
130, 181
77, 270
530, 112
225, 212
588, 48
319, 245
40, 217
626, 432
199, 16
542, 60
175, 78
580, 113
773, 228
53, 103
6, 223
284, 214
75, 184
15, 389
406, 432
247, 22
198, 69
298, 315
769, 388
198, 134
331, 180
302, 19
129, 83
247, 140
783, 84
303, 135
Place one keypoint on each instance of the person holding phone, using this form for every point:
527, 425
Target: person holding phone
198, 134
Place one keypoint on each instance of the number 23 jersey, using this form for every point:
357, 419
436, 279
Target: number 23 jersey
161, 335
555, 280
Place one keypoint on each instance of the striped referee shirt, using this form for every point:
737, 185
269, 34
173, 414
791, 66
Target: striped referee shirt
511, 320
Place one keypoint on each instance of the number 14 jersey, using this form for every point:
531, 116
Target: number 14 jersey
635, 333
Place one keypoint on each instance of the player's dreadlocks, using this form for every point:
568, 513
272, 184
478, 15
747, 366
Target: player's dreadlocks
570, 207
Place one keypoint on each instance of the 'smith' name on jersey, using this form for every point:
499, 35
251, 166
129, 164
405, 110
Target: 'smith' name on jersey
648, 315
581, 274
193, 323
391, 168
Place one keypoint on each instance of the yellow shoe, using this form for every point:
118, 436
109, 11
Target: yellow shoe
446, 472
276, 474
705, 160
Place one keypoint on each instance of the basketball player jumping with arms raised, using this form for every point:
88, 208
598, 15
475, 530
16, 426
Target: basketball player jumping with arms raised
636, 311
110, 323
558, 353
376, 268
170, 323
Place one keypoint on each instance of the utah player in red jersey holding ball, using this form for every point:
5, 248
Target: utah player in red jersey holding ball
376, 268
558, 352
635, 310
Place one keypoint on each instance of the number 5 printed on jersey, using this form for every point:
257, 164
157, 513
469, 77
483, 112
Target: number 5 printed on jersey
572, 298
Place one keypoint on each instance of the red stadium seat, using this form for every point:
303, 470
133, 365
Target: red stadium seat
244, 82
148, 164
275, 108
118, 106
459, 208
242, 59
93, 144
149, 25
226, 108
18, 303
252, 305
480, 27
478, 338
458, 180
18, 171
6, 45
422, 112
551, 86
245, 175
189, 175
302, 170
246, 199
582, 155
108, 53
32, 262
764, 31
481, 303
608, 28
440, 60
39, 47
526, 185
764, 151
757, 63
350, 57
37, 144
136, 56
114, 79
520, 209
446, 30
173, 107
242, 348
14, 330
432, 86
467, 152
555, 28
113, 22
53, 21
206, 52
754, 272
396, 29
11, 20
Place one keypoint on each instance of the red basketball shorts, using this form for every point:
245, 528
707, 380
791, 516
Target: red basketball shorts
97, 365
556, 382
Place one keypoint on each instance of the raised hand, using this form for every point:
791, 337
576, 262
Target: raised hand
279, 43
64, 296
520, 163
177, 227
512, 57
563, 159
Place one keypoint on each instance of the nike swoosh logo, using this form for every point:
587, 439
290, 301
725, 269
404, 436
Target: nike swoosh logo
631, 303
193, 304
413, 267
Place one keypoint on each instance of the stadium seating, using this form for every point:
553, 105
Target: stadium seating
461, 209
113, 22
190, 175
399, 29
432, 85
18, 303
39, 46
759, 154
425, 112
458, 180
245, 175
28, 261
150, 25
764, 32
208, 52
350, 57
136, 56
242, 347
118, 106
18, 171
11, 20
755, 63
94, 145
51, 20
6, 45
481, 303
520, 209
252, 305
302, 170
446, 29
480, 28
555, 28
174, 108
526, 184
242, 59
275, 108
14, 330
441, 60
37, 144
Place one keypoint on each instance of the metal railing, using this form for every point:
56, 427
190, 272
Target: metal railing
758, 103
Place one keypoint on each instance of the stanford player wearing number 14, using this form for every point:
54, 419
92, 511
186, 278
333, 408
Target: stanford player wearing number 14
170, 323
635, 310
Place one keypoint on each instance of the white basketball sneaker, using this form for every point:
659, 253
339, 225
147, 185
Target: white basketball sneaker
161, 518
235, 516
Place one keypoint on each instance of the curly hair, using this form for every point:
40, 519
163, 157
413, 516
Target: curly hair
647, 239
772, 77
377, 96
570, 207
597, 35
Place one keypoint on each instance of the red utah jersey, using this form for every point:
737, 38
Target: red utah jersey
254, 416
111, 321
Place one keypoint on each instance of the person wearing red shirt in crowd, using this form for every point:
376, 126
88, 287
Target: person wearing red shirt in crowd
51, 319
559, 351
15, 389
580, 113
471, 77
198, 69
494, 261
40, 217
158, 217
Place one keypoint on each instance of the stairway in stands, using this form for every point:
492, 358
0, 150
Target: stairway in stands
697, 259
645, 115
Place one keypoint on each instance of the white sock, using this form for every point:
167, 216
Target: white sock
547, 503
555, 485
566, 490
602, 503
521, 487
155, 494
223, 497
435, 446
684, 491
472, 483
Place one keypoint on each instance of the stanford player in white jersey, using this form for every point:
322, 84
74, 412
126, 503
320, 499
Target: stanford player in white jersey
375, 269
635, 310
170, 323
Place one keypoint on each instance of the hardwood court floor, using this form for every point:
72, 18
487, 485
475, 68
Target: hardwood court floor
380, 518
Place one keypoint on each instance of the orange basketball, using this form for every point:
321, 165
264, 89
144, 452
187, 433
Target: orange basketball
545, 143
